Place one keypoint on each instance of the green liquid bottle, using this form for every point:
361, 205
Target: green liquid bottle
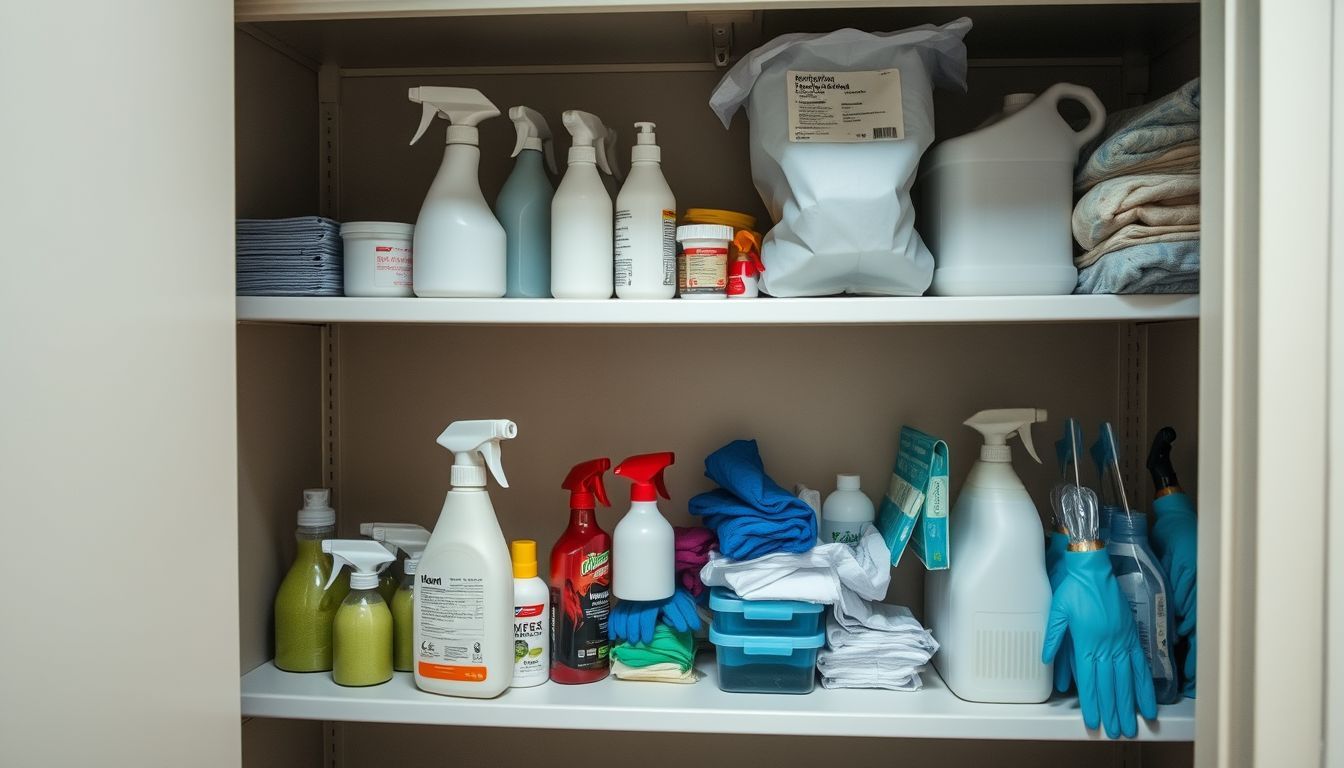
403, 620
304, 606
362, 630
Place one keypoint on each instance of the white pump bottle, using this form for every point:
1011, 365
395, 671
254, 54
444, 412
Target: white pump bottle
464, 581
989, 610
459, 245
646, 225
581, 213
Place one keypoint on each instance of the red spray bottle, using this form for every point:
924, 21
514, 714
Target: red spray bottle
581, 581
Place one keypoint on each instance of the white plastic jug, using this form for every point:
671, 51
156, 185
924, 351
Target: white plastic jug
999, 199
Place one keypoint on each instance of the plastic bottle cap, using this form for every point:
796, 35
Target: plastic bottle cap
718, 216
1014, 101
704, 232
317, 511
847, 482
410, 565
524, 555
363, 580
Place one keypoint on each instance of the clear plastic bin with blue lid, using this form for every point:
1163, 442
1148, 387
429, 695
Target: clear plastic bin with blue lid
766, 663
786, 618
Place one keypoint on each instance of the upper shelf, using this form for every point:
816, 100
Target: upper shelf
613, 705
923, 310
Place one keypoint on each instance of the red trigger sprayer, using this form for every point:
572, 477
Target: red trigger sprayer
581, 581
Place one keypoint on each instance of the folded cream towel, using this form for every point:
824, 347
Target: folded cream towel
1154, 200
663, 672
1137, 234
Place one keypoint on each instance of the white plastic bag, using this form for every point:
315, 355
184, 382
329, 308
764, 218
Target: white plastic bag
844, 221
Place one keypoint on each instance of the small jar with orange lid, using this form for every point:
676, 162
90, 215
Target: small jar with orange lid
744, 250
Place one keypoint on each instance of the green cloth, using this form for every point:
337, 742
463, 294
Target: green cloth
668, 647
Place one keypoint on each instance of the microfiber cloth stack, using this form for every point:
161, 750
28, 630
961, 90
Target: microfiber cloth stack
751, 515
669, 658
1138, 218
289, 257
692, 546
884, 649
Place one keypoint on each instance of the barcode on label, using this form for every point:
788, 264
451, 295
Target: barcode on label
886, 133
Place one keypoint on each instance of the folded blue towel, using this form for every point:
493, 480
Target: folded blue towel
751, 514
1133, 137
1168, 267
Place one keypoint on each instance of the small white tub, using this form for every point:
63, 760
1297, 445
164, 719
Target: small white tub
377, 256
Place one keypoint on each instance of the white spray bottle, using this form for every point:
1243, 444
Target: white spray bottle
989, 610
643, 547
646, 225
581, 213
411, 539
459, 245
361, 633
464, 581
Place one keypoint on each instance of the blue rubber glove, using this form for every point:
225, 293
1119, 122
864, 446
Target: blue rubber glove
679, 612
633, 621
1055, 548
1113, 675
1175, 540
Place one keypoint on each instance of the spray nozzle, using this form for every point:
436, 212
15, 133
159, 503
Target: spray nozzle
463, 108
363, 557
593, 142
409, 538
1159, 461
533, 133
475, 445
584, 483
645, 471
644, 133
999, 424
748, 244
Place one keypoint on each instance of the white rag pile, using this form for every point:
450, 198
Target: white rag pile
885, 648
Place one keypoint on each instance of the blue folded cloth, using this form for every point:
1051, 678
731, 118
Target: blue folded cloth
751, 514
1135, 138
1170, 267
288, 257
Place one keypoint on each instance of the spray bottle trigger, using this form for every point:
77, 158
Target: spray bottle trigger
337, 562
661, 485
1025, 433
490, 452
548, 149
427, 113
606, 154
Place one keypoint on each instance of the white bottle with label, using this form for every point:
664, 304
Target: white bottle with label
989, 612
845, 512
531, 618
581, 214
646, 225
464, 582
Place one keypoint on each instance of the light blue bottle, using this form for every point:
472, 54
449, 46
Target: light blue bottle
524, 208
1141, 579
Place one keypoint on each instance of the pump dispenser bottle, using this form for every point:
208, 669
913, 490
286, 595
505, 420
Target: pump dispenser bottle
646, 225
524, 207
581, 213
643, 545
581, 581
459, 245
305, 606
989, 611
362, 631
411, 539
464, 582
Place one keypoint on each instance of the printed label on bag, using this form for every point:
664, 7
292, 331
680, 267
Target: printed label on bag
391, 266
841, 107
451, 616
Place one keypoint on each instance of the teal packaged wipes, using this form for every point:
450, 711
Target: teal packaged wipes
915, 505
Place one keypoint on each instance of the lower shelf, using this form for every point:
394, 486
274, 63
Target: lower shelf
616, 705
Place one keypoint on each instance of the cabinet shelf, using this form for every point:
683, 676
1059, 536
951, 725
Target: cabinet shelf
701, 708
922, 310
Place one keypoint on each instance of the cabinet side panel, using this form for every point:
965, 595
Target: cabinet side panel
276, 132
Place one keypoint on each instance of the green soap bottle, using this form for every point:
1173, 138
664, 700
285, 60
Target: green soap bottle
403, 619
362, 631
304, 605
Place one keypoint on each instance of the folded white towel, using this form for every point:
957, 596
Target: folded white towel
664, 672
819, 575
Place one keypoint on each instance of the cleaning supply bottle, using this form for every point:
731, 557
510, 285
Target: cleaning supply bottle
581, 214
644, 544
531, 618
464, 582
362, 632
845, 511
646, 225
411, 539
305, 606
388, 577
989, 611
581, 581
459, 245
1141, 579
524, 207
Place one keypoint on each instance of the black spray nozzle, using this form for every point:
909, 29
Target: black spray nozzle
1159, 460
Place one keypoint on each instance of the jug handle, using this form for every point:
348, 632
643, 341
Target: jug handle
1089, 100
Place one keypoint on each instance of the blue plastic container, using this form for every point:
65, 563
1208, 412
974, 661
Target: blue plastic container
766, 664
772, 618
1141, 579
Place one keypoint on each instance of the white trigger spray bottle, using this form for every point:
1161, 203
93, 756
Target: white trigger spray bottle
524, 207
459, 245
361, 634
646, 225
411, 539
581, 213
464, 581
989, 609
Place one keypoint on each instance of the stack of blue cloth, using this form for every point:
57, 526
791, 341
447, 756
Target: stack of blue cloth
289, 257
750, 513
